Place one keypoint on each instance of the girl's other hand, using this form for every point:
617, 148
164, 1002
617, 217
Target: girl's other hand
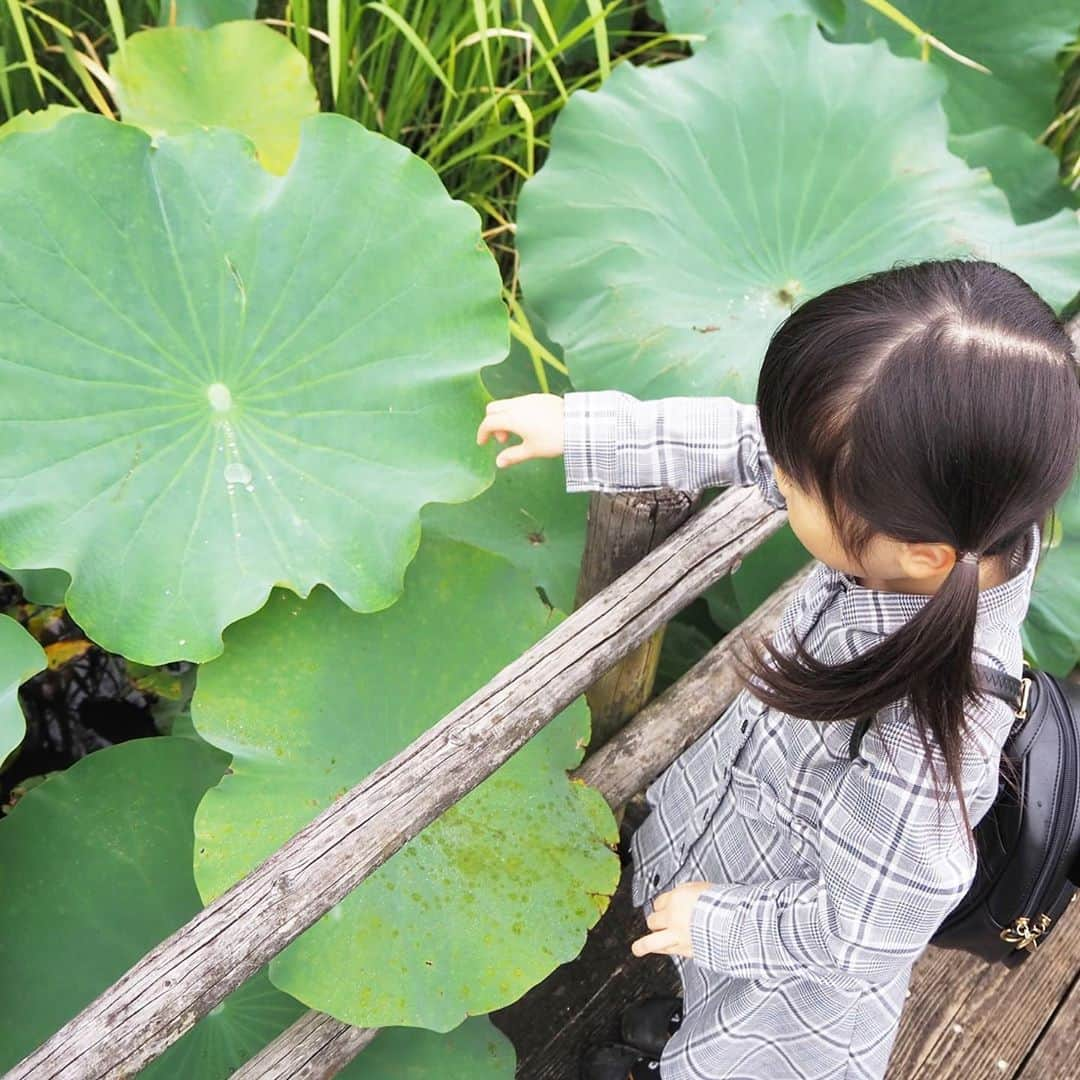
536, 418
670, 922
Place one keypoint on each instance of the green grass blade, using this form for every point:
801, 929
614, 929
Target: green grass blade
23, 34
5, 85
415, 41
480, 14
544, 16
93, 91
521, 107
603, 48
116, 21
333, 25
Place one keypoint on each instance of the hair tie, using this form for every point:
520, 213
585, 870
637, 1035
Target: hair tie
969, 557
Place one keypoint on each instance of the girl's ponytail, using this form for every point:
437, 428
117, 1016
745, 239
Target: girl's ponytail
928, 660
935, 403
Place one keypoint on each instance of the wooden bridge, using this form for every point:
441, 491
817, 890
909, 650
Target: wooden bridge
647, 556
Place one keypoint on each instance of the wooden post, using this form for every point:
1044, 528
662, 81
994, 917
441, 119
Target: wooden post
183, 978
622, 529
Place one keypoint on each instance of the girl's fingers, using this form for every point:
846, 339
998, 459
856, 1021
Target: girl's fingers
656, 920
662, 901
491, 425
513, 456
661, 941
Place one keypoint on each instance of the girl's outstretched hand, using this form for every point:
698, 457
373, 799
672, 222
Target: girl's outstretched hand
670, 921
537, 418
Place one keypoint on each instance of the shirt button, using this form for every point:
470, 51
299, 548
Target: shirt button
656, 879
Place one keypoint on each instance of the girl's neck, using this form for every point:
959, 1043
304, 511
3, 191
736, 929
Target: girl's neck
991, 573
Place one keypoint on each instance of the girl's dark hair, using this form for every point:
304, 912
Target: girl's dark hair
938, 402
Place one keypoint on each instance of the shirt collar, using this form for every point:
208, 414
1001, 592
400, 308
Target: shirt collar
881, 612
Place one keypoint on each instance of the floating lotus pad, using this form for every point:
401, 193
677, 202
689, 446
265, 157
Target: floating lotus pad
1052, 627
20, 657
528, 517
477, 1050
217, 380
205, 12
684, 209
1025, 170
239, 75
38, 120
310, 698
705, 16
102, 856
1018, 42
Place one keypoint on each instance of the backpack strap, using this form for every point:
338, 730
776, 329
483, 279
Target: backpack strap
988, 679
1000, 685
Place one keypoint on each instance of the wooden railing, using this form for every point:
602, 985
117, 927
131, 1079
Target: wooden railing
188, 974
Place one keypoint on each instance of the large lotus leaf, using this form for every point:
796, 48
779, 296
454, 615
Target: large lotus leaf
1025, 170
96, 864
528, 517
309, 698
217, 380
35, 121
239, 75
705, 16
1051, 631
1016, 41
477, 1050
41, 586
204, 12
684, 209
20, 657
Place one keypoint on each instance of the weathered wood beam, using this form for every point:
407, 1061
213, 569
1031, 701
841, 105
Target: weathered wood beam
622, 529
165, 994
316, 1047
625, 765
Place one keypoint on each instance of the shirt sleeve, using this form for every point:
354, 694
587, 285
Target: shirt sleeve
614, 442
893, 863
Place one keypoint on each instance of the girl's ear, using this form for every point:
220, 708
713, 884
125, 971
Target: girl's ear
926, 560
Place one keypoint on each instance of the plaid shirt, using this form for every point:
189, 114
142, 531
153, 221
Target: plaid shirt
828, 876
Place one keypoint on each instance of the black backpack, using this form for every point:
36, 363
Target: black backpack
1029, 840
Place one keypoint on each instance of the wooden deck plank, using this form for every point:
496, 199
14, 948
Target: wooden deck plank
940, 985
1057, 1053
1004, 1013
962, 1019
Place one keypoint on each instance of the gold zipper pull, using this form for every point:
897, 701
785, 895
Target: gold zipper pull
1024, 933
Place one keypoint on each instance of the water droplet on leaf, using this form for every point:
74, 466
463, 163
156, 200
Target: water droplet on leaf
220, 397
236, 472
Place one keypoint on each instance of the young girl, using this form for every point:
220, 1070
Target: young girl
918, 426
